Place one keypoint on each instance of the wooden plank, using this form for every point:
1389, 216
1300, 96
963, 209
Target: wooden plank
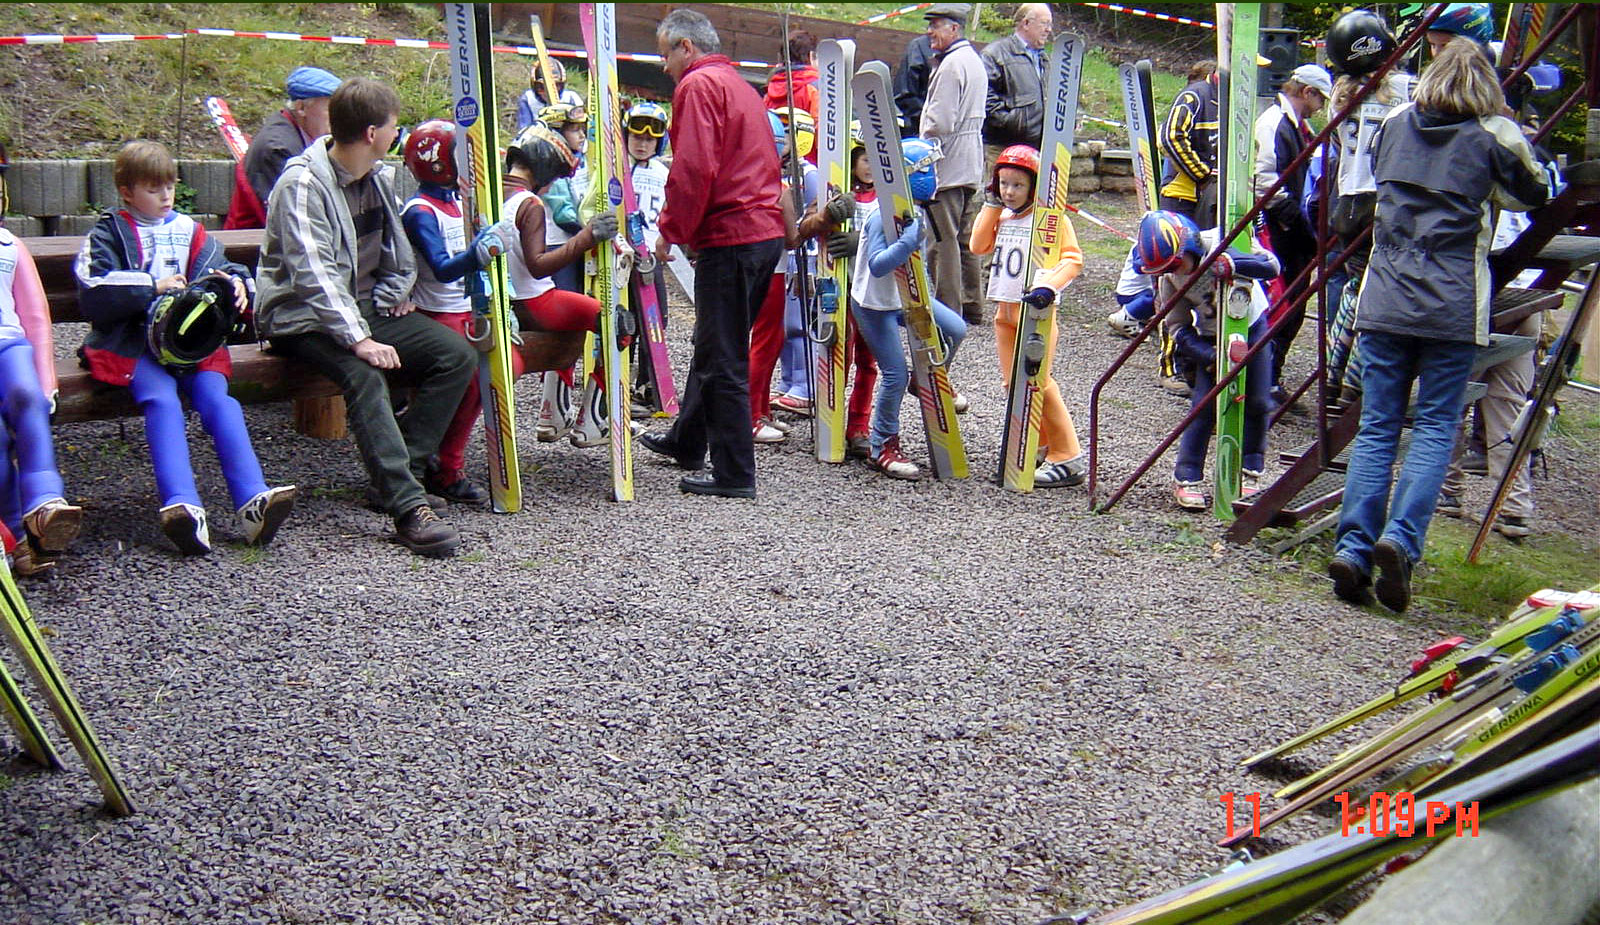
54, 257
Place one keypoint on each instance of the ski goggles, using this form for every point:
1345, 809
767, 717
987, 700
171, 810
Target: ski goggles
644, 125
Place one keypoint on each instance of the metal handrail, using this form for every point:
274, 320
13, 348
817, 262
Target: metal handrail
1366, 89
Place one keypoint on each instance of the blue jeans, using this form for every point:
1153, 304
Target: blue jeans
796, 372
1391, 364
1191, 462
881, 330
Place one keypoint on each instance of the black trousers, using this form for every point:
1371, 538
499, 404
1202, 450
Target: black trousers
714, 411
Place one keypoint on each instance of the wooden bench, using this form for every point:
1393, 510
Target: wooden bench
258, 377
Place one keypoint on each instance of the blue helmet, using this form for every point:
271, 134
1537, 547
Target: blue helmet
920, 156
1163, 238
1472, 20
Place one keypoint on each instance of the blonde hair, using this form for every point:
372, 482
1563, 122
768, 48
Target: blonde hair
1390, 91
143, 161
1460, 81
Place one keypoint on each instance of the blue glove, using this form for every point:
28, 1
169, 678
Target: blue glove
913, 232
493, 241
1197, 348
1040, 297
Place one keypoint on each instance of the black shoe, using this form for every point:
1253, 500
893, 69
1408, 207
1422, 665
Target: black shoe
421, 531
461, 491
1349, 582
657, 444
705, 483
1394, 575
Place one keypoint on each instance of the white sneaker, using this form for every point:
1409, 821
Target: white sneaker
1249, 482
590, 430
1123, 324
53, 524
185, 526
961, 403
1063, 474
262, 515
766, 432
1191, 496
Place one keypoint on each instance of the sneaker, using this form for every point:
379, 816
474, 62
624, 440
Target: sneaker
1064, 474
1191, 496
1394, 575
1350, 584
1448, 506
961, 404
1249, 483
1123, 324
857, 448
893, 463
185, 525
765, 432
262, 515
25, 563
421, 531
1175, 385
461, 491
793, 404
1512, 527
53, 524
782, 426
1475, 464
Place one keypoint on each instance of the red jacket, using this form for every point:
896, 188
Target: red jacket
724, 183
805, 89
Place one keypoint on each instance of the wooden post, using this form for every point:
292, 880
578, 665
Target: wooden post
323, 418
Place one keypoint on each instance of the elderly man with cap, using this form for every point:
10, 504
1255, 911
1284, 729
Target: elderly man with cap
952, 118
1282, 131
284, 135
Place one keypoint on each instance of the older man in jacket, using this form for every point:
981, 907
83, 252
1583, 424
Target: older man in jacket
952, 117
1014, 110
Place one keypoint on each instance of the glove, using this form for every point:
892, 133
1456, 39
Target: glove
914, 232
493, 241
603, 226
842, 245
991, 198
839, 210
1222, 267
1199, 349
1040, 297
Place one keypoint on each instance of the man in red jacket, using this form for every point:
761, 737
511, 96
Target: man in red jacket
722, 209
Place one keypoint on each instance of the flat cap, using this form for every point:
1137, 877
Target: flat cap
955, 11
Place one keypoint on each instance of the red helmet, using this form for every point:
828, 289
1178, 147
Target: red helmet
1021, 157
431, 152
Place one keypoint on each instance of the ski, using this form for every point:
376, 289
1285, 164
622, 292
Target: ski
1444, 664
542, 55
237, 142
658, 364
1536, 415
1141, 133
831, 331
1030, 360
1238, 40
875, 110
1276, 888
613, 263
30, 734
16, 621
682, 271
477, 153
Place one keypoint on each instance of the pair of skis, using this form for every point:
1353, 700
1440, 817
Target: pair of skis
831, 328
16, 621
477, 152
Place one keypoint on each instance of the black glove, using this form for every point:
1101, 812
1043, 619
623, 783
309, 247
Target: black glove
839, 210
842, 245
1039, 297
1201, 350
604, 226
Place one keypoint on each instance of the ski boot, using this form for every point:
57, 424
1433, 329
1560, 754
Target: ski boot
555, 412
591, 429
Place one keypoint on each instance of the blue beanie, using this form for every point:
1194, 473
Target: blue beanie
308, 83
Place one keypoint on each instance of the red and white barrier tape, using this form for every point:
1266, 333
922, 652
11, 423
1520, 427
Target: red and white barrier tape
1181, 20
893, 13
81, 39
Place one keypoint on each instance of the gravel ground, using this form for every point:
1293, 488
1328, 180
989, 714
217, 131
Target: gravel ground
852, 699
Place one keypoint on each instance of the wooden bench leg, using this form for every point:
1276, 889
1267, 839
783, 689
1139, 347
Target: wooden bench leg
323, 418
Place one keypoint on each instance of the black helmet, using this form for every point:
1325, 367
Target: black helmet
187, 325
543, 153
1358, 42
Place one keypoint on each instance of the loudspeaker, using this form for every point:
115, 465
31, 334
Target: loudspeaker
1281, 48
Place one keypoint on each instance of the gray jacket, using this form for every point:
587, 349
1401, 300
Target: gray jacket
1014, 112
1428, 275
953, 115
306, 278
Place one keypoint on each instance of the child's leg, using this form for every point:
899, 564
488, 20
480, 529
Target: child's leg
1257, 402
157, 394
866, 377
796, 379
881, 331
1005, 336
1055, 428
453, 446
1191, 464
27, 415
223, 419
766, 341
